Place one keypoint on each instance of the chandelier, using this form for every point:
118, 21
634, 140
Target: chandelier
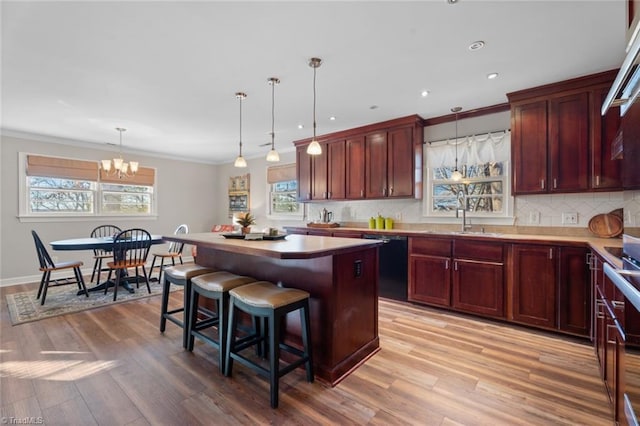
117, 166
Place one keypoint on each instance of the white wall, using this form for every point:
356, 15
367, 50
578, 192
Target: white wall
186, 193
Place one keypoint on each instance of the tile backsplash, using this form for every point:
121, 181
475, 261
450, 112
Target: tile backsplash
529, 211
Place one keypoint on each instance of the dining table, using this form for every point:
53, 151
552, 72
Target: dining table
99, 243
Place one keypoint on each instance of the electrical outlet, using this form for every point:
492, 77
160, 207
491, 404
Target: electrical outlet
570, 218
398, 217
534, 218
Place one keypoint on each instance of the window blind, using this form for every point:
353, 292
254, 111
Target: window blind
63, 168
281, 173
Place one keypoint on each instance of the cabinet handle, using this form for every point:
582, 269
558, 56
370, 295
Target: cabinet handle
362, 192
384, 192
597, 180
446, 264
551, 254
541, 183
391, 190
455, 266
329, 196
617, 304
555, 183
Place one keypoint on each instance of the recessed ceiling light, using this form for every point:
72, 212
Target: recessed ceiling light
332, 118
373, 107
452, 1
424, 93
476, 45
492, 75
300, 126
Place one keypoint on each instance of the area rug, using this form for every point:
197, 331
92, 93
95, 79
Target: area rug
24, 307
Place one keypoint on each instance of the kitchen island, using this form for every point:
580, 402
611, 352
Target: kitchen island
340, 274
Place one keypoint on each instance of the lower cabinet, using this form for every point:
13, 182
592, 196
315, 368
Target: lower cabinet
551, 288
465, 275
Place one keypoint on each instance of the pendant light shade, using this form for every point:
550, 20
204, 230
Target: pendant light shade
273, 156
456, 175
314, 147
240, 161
117, 166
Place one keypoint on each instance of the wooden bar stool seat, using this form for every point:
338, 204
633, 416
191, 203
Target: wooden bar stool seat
215, 286
179, 275
270, 303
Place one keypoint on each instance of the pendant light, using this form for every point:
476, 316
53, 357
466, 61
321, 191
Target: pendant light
120, 168
456, 175
314, 147
273, 156
240, 161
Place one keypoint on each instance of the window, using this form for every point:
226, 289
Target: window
484, 190
62, 187
282, 193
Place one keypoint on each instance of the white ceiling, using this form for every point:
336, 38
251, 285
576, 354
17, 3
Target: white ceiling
168, 71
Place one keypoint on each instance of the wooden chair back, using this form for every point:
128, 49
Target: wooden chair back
131, 248
103, 231
175, 247
43, 256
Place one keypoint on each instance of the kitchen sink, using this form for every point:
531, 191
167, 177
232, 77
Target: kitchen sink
471, 233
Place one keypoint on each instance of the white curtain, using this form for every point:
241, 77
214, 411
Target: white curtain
474, 149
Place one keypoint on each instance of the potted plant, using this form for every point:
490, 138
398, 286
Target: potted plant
245, 220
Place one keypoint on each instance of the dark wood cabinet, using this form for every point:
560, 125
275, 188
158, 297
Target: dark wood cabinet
430, 271
354, 152
465, 275
574, 291
478, 277
560, 143
631, 147
303, 173
377, 161
336, 170
569, 143
529, 146
606, 172
534, 284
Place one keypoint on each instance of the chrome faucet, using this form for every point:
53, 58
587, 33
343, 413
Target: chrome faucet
465, 226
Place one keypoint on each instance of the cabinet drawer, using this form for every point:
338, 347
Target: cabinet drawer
430, 246
478, 250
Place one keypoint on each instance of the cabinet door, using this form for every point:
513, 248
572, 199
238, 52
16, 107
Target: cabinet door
574, 293
376, 165
534, 285
355, 168
430, 280
319, 175
336, 170
303, 173
631, 147
606, 174
400, 162
529, 148
569, 143
478, 287
600, 334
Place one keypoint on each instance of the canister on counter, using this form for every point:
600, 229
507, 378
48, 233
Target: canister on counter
388, 223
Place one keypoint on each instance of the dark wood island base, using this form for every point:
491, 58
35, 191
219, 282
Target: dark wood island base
340, 274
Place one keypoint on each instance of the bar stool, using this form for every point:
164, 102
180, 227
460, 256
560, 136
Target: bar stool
271, 303
215, 286
179, 275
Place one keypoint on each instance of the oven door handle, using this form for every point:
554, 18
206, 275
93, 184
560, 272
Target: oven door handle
630, 292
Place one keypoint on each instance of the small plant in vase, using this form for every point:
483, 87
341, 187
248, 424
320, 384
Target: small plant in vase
245, 220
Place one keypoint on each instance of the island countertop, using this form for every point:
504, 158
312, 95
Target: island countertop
291, 247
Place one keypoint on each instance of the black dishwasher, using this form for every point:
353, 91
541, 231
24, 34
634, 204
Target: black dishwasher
393, 260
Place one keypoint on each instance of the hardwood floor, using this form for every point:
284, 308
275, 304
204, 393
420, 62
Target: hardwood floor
111, 366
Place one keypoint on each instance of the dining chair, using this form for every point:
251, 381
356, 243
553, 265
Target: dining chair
130, 251
99, 255
47, 266
174, 251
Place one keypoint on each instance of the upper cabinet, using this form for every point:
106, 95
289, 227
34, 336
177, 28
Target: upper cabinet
560, 143
382, 160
